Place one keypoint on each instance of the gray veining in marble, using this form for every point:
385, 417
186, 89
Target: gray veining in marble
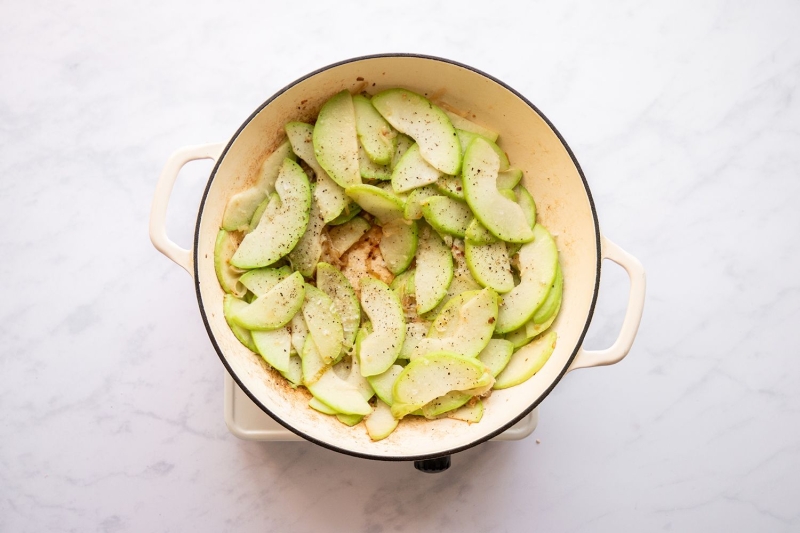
686, 119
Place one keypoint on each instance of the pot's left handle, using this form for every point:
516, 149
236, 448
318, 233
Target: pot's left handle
158, 211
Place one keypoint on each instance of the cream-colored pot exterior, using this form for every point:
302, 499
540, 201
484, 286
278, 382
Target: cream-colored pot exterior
551, 174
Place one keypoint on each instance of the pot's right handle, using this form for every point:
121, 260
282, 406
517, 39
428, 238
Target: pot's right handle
158, 211
633, 315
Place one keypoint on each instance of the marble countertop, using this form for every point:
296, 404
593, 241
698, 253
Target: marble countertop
685, 117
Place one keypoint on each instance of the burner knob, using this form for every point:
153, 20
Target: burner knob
433, 466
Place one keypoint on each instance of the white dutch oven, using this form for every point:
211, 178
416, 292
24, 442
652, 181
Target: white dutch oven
551, 174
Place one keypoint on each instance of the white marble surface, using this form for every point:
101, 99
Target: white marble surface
686, 119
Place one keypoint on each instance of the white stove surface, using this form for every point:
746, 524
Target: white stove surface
247, 421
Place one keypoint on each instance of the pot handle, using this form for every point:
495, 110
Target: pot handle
158, 211
633, 315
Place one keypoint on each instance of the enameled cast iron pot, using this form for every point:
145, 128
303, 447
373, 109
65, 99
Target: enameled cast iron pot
552, 175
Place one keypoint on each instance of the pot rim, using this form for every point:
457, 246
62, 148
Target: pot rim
333, 447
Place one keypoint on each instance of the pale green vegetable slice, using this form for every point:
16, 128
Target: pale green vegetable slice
387, 186
342, 237
404, 142
382, 383
415, 332
336, 141
299, 332
241, 207
413, 171
398, 244
413, 208
332, 282
403, 286
400, 284
477, 234
323, 408
450, 401
424, 122
351, 210
466, 137
339, 394
472, 412
467, 335
260, 281
330, 196
467, 125
295, 372
527, 361
230, 307
451, 186
511, 195
259, 212
361, 334
434, 270
276, 235
496, 355
525, 201
370, 170
305, 255
349, 420
323, 322
384, 205
503, 217
462, 278
538, 262
375, 134
552, 302
273, 208
276, 308
312, 363
229, 278
349, 370
519, 337
508, 179
490, 265
434, 375
532, 329
274, 346
379, 350
459, 256
446, 321
380, 423
447, 215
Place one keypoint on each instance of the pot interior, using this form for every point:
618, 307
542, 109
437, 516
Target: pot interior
550, 174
